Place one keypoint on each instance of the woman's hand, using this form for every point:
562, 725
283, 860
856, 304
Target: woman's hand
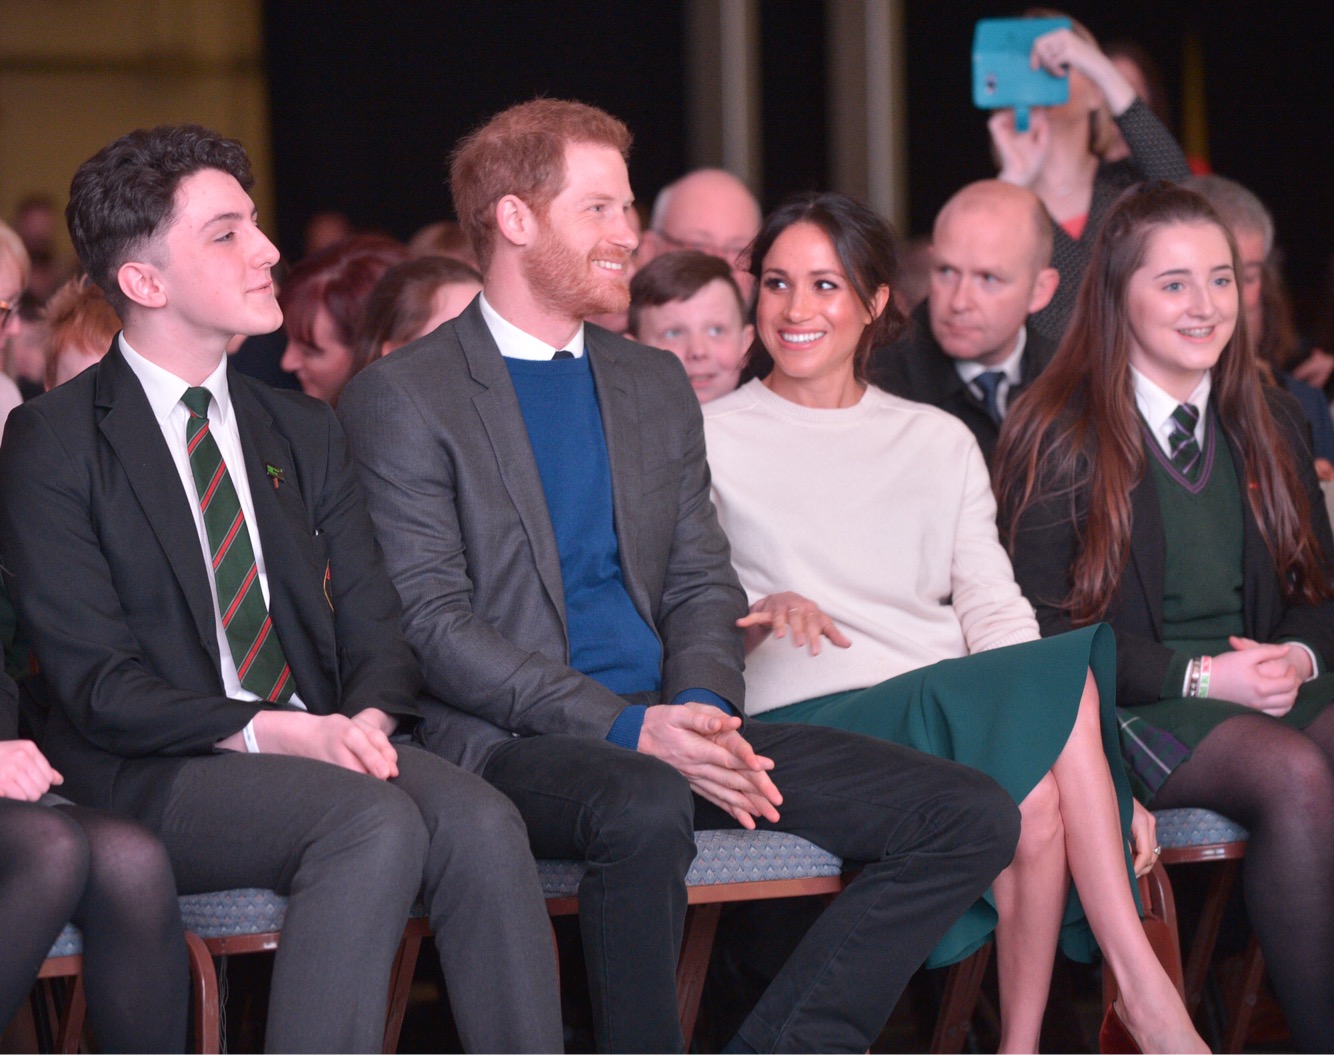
25, 774
1063, 50
1022, 154
779, 612
1143, 839
1263, 677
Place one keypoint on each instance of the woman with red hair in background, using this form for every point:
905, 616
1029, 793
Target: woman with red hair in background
323, 302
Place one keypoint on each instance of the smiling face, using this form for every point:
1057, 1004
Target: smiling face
214, 263
810, 319
578, 264
706, 332
1181, 305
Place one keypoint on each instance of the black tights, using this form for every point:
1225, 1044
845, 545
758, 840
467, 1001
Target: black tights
112, 879
1279, 783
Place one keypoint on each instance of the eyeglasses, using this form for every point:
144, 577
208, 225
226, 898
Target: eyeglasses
731, 253
7, 308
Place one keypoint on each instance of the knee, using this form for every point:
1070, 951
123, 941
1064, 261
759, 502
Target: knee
47, 857
1040, 818
980, 819
127, 862
644, 810
380, 827
481, 831
1302, 786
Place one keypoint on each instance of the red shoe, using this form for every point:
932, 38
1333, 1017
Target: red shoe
1113, 1037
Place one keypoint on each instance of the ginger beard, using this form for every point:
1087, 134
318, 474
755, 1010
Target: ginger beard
575, 285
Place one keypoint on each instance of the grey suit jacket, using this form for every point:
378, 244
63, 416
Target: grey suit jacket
459, 510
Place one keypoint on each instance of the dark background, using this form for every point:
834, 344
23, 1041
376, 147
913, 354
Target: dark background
367, 97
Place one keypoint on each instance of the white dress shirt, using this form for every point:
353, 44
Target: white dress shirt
515, 343
1012, 369
1157, 407
164, 391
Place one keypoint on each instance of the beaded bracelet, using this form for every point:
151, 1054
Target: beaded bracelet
1206, 665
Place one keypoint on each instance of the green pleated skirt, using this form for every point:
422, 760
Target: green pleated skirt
1007, 712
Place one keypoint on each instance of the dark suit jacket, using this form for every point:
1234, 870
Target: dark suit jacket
103, 561
9, 707
916, 367
458, 506
1047, 540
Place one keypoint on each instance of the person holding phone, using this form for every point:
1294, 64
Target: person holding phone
1062, 156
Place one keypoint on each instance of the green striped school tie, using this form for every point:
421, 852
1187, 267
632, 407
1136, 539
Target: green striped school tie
258, 655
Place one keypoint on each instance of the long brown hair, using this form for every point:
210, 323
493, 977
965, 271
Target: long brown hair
1075, 438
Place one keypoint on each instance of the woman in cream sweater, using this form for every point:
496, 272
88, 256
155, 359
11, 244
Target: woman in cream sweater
865, 522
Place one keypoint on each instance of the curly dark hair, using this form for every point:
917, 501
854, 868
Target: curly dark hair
123, 196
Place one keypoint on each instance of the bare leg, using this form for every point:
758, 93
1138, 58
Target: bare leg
1153, 1011
1030, 901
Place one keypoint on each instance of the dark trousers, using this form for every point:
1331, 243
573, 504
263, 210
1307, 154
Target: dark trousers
353, 852
929, 835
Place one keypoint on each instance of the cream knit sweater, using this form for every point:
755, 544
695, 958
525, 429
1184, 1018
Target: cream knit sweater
881, 513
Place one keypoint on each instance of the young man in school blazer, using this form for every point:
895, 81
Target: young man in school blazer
190, 555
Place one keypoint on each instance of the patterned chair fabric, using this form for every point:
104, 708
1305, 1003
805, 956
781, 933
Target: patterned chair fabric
70, 943
1178, 829
230, 913
731, 856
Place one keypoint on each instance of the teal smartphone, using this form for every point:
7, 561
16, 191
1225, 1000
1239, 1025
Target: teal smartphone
1002, 76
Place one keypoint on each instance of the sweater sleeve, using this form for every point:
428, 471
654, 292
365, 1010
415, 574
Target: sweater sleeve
1153, 151
991, 608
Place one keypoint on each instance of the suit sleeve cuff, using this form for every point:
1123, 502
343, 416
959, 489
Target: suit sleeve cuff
1316, 669
1175, 683
625, 730
704, 696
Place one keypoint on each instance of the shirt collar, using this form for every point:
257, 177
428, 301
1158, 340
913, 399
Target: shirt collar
970, 370
515, 343
164, 389
1156, 405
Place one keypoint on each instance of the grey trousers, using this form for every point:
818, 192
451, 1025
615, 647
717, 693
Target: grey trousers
353, 852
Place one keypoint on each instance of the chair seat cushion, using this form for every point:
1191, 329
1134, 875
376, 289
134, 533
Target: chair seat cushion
228, 913
1182, 828
721, 857
70, 943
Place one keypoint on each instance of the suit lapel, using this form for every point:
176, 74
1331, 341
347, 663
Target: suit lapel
1260, 596
291, 559
1148, 546
497, 406
134, 435
625, 453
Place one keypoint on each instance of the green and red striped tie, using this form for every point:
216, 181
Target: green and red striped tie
256, 651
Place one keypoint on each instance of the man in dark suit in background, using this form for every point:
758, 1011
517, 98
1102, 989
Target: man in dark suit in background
541, 493
968, 349
189, 553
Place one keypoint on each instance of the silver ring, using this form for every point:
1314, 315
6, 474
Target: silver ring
1157, 850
